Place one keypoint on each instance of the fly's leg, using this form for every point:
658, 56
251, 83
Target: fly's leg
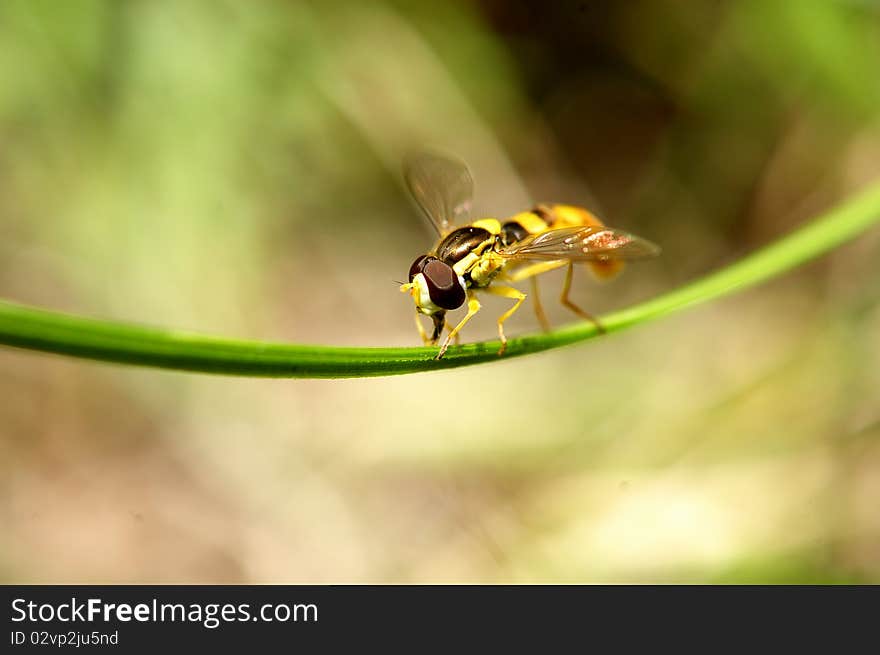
532, 271
456, 337
566, 288
539, 309
473, 308
426, 340
513, 294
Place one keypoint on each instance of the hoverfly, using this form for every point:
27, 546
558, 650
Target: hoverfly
480, 255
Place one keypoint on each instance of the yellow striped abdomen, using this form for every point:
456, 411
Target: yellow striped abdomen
550, 217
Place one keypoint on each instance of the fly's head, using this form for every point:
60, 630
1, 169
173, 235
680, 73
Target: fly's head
435, 289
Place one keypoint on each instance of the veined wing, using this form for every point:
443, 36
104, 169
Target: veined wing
581, 243
441, 186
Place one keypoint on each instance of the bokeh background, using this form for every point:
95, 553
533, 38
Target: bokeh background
233, 168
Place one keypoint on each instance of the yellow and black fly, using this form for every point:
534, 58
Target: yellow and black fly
479, 255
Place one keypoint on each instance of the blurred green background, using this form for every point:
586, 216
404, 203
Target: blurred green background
233, 168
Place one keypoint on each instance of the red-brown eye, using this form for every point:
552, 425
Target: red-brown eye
417, 266
444, 287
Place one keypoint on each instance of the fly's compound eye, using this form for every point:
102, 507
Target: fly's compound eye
444, 287
417, 266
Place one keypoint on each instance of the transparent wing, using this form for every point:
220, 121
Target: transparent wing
582, 243
441, 185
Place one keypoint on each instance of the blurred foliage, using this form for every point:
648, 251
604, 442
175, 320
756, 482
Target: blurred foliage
233, 167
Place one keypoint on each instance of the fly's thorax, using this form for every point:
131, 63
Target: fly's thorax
491, 225
466, 263
484, 270
459, 243
473, 238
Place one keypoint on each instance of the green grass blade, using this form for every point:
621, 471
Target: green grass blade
54, 332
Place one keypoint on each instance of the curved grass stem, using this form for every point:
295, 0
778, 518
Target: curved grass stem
37, 329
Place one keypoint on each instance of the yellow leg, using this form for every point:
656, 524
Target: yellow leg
473, 308
539, 309
424, 335
566, 287
532, 270
456, 336
506, 292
